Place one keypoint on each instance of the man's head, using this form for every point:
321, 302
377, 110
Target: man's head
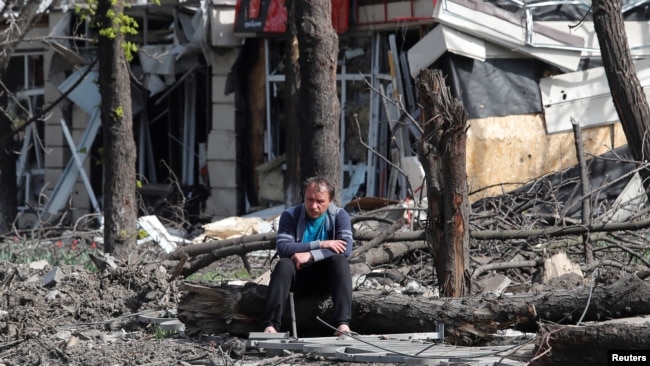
318, 194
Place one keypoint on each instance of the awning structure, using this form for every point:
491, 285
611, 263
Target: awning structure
509, 30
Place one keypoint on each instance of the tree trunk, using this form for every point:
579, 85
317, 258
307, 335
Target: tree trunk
120, 207
588, 345
442, 153
9, 191
629, 99
256, 98
237, 310
292, 181
585, 186
12, 36
318, 107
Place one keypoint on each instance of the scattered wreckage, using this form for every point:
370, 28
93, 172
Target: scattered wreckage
523, 274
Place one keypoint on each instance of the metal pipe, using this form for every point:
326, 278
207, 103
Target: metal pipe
293, 316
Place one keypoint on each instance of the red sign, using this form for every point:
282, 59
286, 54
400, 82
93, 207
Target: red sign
270, 16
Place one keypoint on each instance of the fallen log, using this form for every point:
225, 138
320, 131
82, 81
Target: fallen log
552, 231
589, 344
210, 308
359, 265
378, 239
388, 252
208, 252
209, 246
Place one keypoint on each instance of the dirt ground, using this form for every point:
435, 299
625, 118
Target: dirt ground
90, 319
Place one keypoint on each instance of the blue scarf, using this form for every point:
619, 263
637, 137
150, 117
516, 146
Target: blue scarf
315, 229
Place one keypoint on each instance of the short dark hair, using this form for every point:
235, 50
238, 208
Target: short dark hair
320, 181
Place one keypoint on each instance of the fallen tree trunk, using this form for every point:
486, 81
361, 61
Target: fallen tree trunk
210, 251
359, 265
378, 239
384, 254
207, 247
237, 310
517, 234
589, 344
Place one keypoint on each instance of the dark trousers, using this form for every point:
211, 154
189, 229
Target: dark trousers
329, 276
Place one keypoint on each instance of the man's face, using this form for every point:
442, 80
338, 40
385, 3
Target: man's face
317, 200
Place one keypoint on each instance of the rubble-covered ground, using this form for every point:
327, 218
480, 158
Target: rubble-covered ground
86, 318
56, 308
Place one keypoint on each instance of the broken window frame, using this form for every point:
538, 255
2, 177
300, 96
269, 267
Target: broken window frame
29, 98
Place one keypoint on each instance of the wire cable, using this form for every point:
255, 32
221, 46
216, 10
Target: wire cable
356, 337
568, 315
594, 277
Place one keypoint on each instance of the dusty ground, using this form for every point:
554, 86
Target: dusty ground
92, 319
88, 318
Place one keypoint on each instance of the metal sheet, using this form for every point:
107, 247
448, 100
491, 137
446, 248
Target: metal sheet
585, 96
486, 21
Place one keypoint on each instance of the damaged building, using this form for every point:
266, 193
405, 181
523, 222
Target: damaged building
208, 102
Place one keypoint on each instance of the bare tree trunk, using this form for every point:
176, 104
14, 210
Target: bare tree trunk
318, 107
9, 191
120, 207
8, 180
257, 111
442, 153
586, 191
292, 181
627, 93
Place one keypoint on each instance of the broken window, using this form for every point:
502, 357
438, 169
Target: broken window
25, 80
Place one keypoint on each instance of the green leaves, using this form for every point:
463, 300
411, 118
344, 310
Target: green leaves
120, 24
118, 113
